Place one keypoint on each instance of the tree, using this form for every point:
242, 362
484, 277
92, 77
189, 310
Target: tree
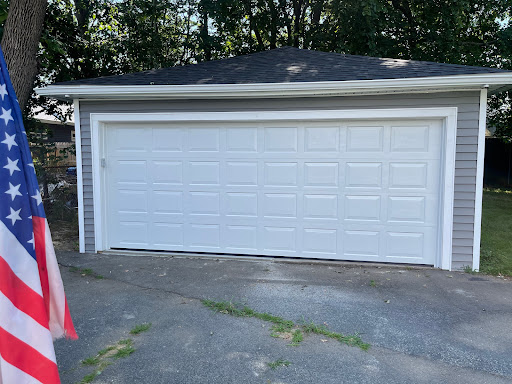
20, 44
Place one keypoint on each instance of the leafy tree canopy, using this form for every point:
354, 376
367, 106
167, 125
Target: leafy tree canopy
90, 38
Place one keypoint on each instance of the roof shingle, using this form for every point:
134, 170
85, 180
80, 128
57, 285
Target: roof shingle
287, 65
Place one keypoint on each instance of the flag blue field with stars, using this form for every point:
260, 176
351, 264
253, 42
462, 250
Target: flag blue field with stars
20, 198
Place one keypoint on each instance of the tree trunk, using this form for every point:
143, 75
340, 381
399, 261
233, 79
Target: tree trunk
20, 43
203, 31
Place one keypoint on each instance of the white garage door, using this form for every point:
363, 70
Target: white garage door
349, 190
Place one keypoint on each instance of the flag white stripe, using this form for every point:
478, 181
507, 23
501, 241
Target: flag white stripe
25, 328
20, 261
10, 374
58, 298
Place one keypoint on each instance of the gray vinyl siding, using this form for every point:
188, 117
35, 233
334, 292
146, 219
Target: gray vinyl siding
465, 164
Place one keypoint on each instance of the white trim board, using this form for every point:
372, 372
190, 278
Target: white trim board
493, 81
79, 181
477, 231
448, 115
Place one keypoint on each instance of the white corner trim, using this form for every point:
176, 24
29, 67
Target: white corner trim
100, 121
448, 189
477, 231
79, 181
295, 89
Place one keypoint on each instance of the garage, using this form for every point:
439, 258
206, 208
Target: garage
379, 162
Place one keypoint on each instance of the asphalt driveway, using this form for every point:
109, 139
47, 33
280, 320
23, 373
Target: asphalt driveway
424, 325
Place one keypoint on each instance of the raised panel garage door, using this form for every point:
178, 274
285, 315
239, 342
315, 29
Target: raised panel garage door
349, 190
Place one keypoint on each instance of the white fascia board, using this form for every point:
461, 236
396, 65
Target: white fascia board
298, 89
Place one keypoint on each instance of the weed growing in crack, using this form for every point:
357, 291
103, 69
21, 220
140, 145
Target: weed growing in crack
140, 328
106, 356
297, 337
283, 328
278, 363
86, 272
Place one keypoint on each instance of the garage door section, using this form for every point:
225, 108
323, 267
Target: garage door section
357, 190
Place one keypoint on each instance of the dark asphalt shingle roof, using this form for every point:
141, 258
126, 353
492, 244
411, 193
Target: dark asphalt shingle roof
286, 65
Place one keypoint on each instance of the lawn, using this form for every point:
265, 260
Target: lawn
496, 249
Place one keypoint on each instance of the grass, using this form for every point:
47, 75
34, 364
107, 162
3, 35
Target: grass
106, 356
140, 328
91, 360
86, 272
297, 337
91, 376
282, 327
496, 246
278, 363
373, 283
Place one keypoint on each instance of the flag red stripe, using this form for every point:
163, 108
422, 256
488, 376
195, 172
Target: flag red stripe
27, 359
68, 324
40, 244
21, 295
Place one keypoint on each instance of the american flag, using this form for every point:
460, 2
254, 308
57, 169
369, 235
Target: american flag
33, 307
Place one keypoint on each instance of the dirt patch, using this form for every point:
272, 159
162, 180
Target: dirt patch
64, 235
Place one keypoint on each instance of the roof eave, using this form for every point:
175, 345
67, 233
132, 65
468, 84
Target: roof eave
492, 81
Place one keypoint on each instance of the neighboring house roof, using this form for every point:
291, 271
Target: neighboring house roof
287, 65
43, 117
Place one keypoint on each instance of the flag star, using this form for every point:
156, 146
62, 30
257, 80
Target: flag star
37, 198
3, 91
9, 140
31, 165
12, 165
30, 217
14, 216
13, 191
6, 115
31, 241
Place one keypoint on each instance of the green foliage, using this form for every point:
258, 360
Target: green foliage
90, 38
140, 328
496, 246
278, 363
281, 325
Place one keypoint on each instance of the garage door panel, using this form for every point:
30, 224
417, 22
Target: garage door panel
362, 208
242, 139
241, 204
322, 139
203, 139
167, 202
320, 206
280, 205
321, 174
203, 203
360, 191
280, 139
361, 243
167, 140
203, 173
167, 172
363, 175
365, 139
320, 241
130, 171
168, 235
278, 174
132, 234
239, 173
202, 235
279, 238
